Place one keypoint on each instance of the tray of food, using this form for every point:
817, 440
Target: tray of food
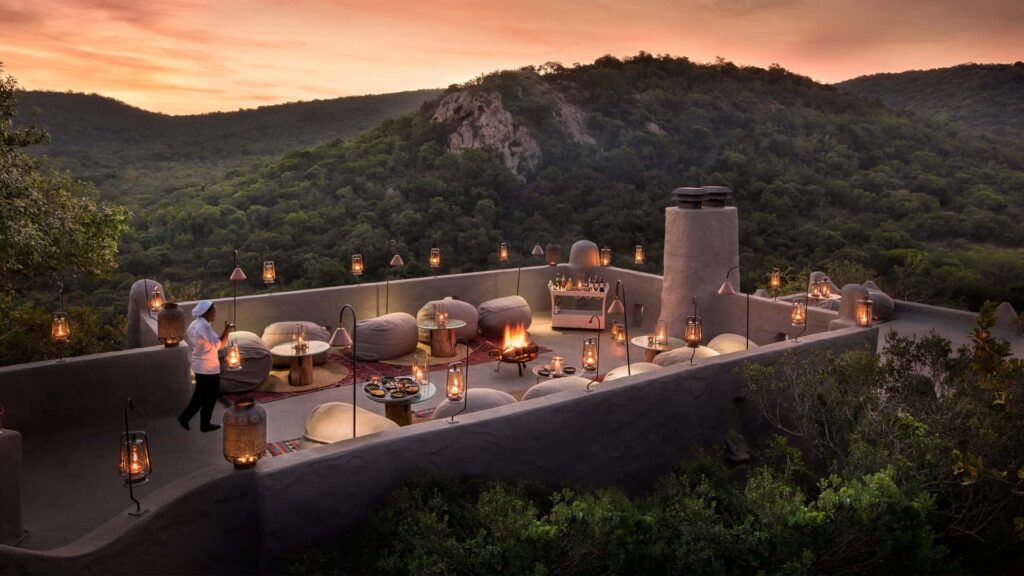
392, 389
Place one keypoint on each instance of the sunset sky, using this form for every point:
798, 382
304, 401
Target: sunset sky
185, 56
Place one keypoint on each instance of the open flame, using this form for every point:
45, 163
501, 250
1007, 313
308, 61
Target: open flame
515, 338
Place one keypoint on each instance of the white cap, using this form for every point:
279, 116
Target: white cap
201, 307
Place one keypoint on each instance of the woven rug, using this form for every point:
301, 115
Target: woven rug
276, 386
283, 447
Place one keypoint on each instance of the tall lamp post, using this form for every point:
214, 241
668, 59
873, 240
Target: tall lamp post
237, 275
342, 339
728, 290
618, 306
396, 262
537, 251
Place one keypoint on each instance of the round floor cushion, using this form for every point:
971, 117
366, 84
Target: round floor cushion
256, 363
332, 422
495, 314
281, 333
634, 369
728, 342
384, 337
457, 310
479, 399
683, 355
556, 385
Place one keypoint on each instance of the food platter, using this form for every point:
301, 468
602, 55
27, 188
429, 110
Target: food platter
393, 389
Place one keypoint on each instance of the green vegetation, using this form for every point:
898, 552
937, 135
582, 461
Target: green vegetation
918, 468
986, 97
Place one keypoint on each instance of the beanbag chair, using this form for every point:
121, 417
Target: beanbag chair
584, 254
635, 368
479, 399
332, 422
682, 356
384, 337
495, 314
727, 342
281, 333
457, 310
256, 363
556, 385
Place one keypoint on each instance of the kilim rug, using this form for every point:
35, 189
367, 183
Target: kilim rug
283, 447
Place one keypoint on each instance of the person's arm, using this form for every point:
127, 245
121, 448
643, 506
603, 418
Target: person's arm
224, 335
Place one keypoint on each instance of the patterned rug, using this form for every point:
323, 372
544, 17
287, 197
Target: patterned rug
283, 447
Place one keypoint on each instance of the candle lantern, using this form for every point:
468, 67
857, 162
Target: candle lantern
170, 324
554, 254
694, 332
775, 279
156, 300
59, 327
269, 272
233, 358
638, 254
557, 364
456, 386
825, 291
590, 353
435, 258
618, 333
245, 433
661, 333
503, 252
606, 256
441, 315
299, 340
421, 367
864, 312
135, 466
357, 264
798, 314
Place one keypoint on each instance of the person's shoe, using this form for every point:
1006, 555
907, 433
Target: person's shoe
183, 422
209, 428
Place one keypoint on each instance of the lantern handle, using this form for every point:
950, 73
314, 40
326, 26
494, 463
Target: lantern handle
597, 369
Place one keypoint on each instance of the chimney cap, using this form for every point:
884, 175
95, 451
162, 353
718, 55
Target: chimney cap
689, 197
716, 196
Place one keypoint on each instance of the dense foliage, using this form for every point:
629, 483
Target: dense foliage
907, 463
986, 97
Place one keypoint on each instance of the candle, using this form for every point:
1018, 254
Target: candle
557, 364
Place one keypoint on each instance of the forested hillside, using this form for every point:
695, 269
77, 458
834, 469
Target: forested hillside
986, 97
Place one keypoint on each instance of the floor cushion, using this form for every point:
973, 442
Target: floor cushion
479, 399
495, 314
635, 368
556, 385
384, 337
256, 363
332, 422
728, 342
281, 333
682, 356
457, 310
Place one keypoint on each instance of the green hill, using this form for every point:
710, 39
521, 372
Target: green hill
135, 156
986, 97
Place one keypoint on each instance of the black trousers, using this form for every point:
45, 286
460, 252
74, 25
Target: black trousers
204, 397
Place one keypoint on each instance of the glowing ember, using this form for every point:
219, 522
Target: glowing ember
515, 338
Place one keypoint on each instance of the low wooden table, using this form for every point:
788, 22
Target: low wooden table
442, 338
400, 411
301, 370
652, 350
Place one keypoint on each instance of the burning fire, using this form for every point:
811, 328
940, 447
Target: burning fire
515, 338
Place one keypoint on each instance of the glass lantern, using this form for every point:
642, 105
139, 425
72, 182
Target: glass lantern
557, 364
357, 264
606, 256
798, 314
170, 325
59, 328
134, 465
639, 257
618, 333
825, 290
245, 433
233, 358
456, 386
156, 299
590, 355
503, 252
661, 333
441, 315
864, 312
269, 272
300, 342
421, 367
693, 333
435, 258
775, 280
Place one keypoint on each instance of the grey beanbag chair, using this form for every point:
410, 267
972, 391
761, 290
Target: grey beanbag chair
281, 333
682, 356
385, 337
556, 385
256, 363
728, 342
457, 310
634, 369
495, 314
332, 422
479, 399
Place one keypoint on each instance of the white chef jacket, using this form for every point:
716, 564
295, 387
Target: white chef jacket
205, 342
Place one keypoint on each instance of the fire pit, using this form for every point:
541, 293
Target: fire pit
516, 348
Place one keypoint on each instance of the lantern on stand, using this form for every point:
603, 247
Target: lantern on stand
233, 357
435, 258
798, 316
357, 265
590, 355
503, 252
639, 257
237, 275
618, 333
269, 272
170, 325
60, 330
775, 281
245, 433
457, 385
864, 312
693, 331
134, 464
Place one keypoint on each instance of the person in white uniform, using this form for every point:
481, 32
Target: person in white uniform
205, 363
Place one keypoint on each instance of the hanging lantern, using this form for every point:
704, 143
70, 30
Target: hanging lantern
435, 258
694, 331
638, 254
798, 314
456, 386
170, 324
233, 358
156, 300
421, 367
661, 333
300, 343
59, 327
606, 256
590, 355
864, 312
135, 466
269, 272
357, 264
503, 252
554, 254
775, 280
245, 433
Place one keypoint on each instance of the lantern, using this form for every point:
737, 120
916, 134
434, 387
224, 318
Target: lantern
156, 300
557, 364
59, 327
554, 254
134, 465
357, 264
269, 272
825, 290
233, 358
864, 312
421, 367
798, 314
503, 252
590, 355
456, 386
440, 315
694, 331
638, 254
299, 340
606, 256
245, 433
435, 258
618, 333
661, 333
775, 279
170, 324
